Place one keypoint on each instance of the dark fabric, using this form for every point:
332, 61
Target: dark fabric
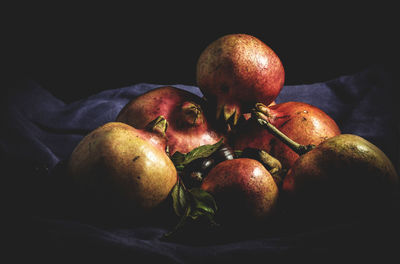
39, 130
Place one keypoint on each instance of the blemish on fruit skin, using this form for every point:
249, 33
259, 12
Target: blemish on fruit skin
286, 121
135, 158
282, 117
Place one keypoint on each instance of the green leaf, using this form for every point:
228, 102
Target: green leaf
202, 152
180, 160
194, 203
179, 168
180, 224
203, 200
203, 204
201, 210
237, 153
179, 198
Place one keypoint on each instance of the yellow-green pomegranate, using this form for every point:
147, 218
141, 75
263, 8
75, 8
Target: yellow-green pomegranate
343, 175
124, 168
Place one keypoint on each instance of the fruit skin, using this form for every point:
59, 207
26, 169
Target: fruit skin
344, 175
302, 122
236, 71
273, 165
188, 127
243, 189
117, 167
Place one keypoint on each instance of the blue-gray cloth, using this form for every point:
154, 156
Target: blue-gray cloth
39, 130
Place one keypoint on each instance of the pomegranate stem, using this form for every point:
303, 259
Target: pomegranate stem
159, 125
296, 147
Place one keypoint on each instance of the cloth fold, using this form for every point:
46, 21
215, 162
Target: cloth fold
41, 129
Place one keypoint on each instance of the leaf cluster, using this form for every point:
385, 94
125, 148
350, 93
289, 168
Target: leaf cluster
194, 203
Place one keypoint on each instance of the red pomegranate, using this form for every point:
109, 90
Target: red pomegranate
303, 123
188, 126
243, 189
236, 71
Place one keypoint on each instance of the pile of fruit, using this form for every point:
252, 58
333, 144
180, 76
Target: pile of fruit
233, 156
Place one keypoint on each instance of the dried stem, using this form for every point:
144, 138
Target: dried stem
296, 147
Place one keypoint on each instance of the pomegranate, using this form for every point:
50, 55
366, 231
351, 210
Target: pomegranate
236, 71
119, 168
188, 126
343, 175
303, 123
243, 189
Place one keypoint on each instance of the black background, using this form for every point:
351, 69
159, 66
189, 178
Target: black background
76, 51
